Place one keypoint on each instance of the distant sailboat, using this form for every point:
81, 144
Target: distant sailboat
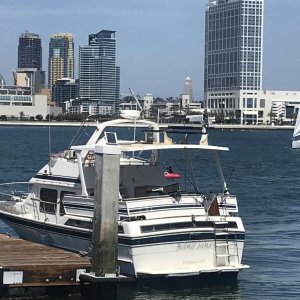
296, 134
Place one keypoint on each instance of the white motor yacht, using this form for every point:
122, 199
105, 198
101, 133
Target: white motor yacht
165, 233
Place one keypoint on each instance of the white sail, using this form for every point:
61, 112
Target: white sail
296, 134
297, 126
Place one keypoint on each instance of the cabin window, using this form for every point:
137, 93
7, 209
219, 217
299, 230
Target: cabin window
79, 223
61, 206
120, 229
183, 225
48, 200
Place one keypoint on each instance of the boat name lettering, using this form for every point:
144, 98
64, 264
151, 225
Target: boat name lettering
193, 246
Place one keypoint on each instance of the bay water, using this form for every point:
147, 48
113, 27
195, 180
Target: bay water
260, 168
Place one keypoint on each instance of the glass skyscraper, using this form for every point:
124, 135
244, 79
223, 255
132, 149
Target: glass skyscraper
30, 62
233, 56
61, 57
30, 51
99, 77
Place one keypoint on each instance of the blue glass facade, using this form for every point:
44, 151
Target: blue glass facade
233, 45
30, 51
99, 77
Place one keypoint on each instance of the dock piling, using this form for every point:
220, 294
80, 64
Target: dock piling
105, 221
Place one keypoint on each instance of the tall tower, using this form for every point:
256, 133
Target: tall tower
187, 95
29, 72
99, 77
30, 51
233, 57
61, 57
188, 87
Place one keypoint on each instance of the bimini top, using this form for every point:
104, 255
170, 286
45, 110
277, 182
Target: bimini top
154, 143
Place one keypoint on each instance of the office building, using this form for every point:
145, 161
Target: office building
30, 62
64, 90
30, 51
61, 57
99, 77
233, 58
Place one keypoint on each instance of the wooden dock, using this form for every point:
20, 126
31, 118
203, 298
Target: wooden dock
27, 264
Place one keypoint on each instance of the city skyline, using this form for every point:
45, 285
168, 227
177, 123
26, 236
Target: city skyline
158, 45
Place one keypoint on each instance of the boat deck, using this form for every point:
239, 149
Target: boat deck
27, 264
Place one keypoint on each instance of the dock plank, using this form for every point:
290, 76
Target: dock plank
41, 265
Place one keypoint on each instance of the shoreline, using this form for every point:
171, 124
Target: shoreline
161, 125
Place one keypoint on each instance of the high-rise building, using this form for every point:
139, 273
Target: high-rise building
61, 57
99, 77
30, 51
64, 90
233, 58
30, 62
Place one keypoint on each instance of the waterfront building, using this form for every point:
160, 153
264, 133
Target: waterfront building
61, 57
64, 90
79, 106
29, 77
19, 102
233, 58
99, 77
147, 103
30, 62
279, 106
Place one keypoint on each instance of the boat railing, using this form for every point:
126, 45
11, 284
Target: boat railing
14, 191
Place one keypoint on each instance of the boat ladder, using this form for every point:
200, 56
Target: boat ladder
35, 209
226, 250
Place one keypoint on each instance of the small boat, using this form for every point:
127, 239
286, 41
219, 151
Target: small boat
171, 175
296, 134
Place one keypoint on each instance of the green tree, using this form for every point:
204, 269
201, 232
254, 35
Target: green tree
219, 117
39, 117
22, 115
272, 116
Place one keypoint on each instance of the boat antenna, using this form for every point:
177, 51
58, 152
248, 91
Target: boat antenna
142, 111
79, 131
188, 161
49, 141
136, 99
232, 170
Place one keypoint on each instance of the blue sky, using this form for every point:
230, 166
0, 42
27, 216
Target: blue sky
159, 42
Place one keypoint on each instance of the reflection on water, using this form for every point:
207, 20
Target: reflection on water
214, 292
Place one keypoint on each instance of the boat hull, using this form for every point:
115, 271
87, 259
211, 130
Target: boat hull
296, 144
172, 262
196, 280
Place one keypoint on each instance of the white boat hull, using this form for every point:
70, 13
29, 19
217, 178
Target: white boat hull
296, 144
181, 257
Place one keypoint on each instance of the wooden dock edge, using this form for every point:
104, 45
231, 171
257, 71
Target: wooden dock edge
28, 264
